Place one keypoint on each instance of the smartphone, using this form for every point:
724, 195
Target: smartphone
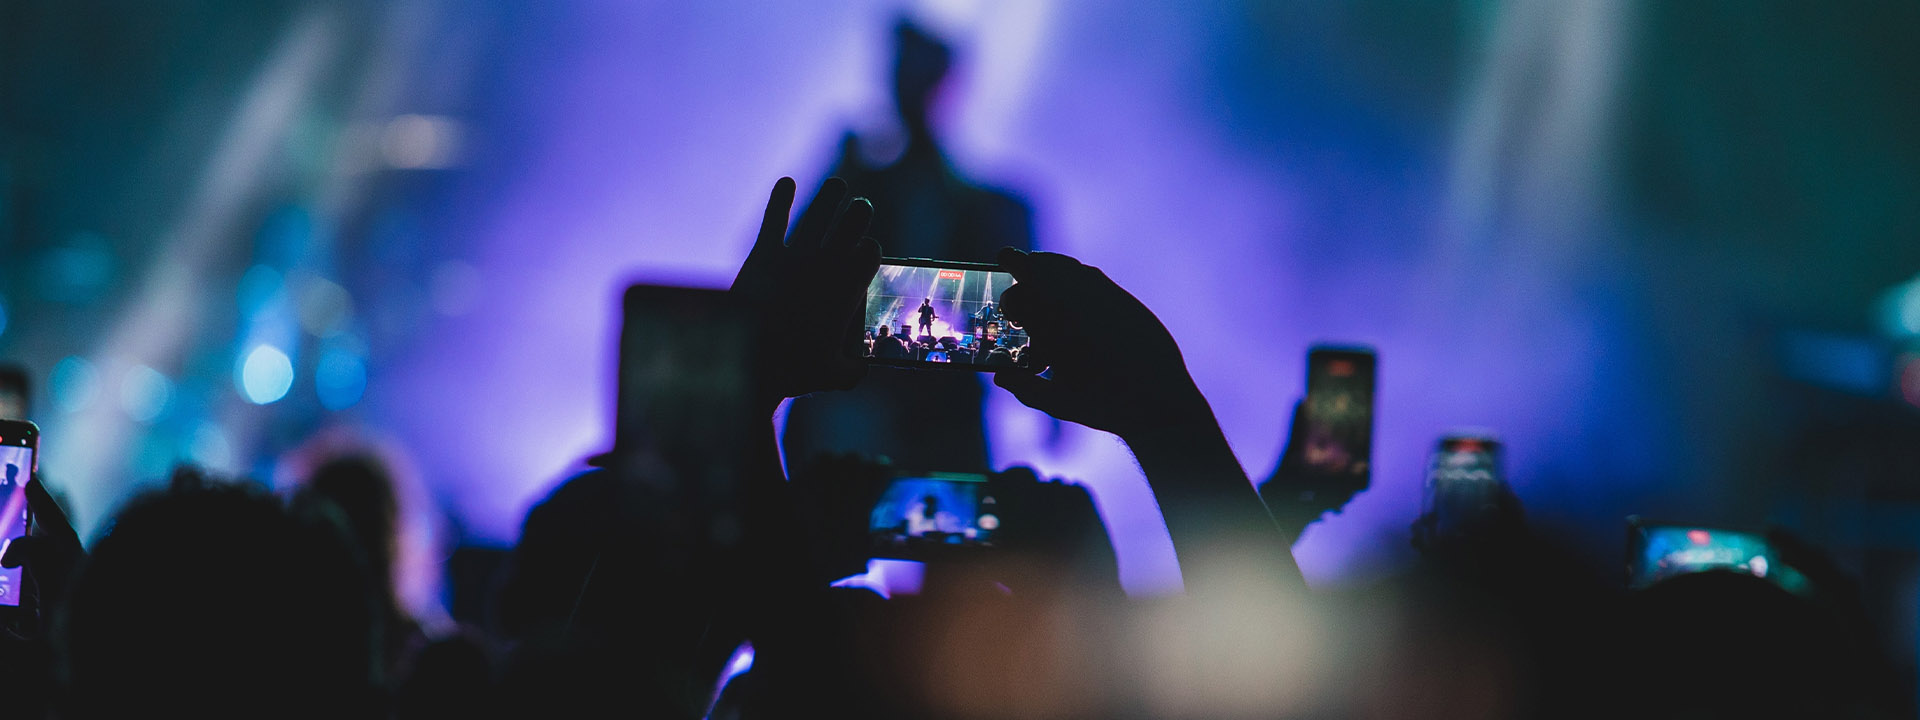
934, 314
1657, 551
1338, 415
683, 411
19, 448
1464, 484
932, 514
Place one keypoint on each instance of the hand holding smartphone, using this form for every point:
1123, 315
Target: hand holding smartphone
1327, 457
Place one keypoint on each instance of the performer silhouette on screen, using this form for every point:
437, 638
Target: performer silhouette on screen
926, 316
986, 314
923, 517
922, 208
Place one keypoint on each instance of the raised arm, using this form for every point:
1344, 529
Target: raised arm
1221, 532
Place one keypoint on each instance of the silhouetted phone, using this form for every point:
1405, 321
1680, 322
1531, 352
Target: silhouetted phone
1657, 551
939, 315
1338, 415
19, 446
684, 410
929, 515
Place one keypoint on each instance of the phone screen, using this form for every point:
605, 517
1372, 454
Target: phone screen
1464, 484
917, 515
16, 468
1339, 413
1663, 551
684, 409
942, 315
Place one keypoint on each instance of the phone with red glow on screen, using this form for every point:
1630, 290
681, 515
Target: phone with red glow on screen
1338, 414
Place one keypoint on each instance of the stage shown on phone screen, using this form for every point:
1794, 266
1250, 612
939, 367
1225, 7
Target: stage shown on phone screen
918, 513
16, 467
932, 316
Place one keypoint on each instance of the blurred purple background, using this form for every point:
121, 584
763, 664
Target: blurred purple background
1655, 248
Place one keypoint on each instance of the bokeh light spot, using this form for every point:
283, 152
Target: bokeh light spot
340, 379
265, 375
144, 393
74, 384
211, 449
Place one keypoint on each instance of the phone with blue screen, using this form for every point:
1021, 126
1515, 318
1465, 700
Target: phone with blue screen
935, 514
1658, 551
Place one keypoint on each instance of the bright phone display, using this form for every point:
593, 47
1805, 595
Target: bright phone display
1656, 552
1339, 413
18, 441
941, 315
1464, 484
932, 513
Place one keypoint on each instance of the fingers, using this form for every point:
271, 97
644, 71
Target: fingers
1034, 359
1031, 390
818, 217
773, 225
16, 554
862, 261
867, 252
1026, 266
47, 514
1030, 306
1014, 262
851, 227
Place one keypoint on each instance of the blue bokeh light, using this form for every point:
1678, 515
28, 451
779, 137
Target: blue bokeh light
340, 379
265, 375
144, 393
74, 383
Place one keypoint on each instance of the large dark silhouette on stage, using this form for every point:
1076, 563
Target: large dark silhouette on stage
923, 207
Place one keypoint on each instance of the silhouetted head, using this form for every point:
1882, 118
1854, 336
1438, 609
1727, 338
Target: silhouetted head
360, 488
837, 494
906, 330
13, 471
885, 331
221, 603
920, 63
15, 393
1725, 644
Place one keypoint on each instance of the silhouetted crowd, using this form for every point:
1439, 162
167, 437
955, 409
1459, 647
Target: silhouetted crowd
214, 598
988, 347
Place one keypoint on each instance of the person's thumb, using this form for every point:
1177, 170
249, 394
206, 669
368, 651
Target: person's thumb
16, 554
1032, 391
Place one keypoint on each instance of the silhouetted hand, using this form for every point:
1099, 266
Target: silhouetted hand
1223, 535
50, 552
1297, 496
807, 288
1074, 315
